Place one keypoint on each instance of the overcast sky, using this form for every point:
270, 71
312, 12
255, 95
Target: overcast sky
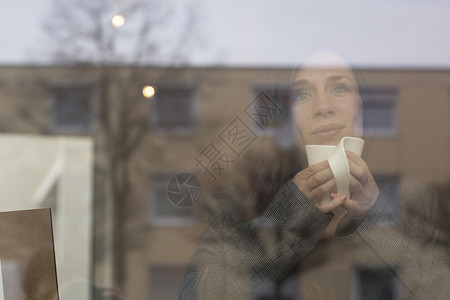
400, 33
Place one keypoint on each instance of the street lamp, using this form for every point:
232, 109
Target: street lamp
118, 21
148, 91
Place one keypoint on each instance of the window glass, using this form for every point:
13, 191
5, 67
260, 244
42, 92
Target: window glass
379, 110
173, 108
72, 108
163, 211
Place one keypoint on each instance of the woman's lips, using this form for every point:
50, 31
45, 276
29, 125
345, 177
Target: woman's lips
327, 131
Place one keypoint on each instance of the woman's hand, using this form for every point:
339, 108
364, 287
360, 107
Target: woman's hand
315, 182
363, 190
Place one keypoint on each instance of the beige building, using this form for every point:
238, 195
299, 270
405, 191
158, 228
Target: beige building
206, 122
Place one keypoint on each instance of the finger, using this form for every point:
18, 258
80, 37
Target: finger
333, 204
348, 204
307, 183
356, 170
356, 159
314, 169
353, 209
358, 167
320, 178
361, 173
323, 189
355, 185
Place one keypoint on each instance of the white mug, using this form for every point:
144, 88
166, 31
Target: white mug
338, 161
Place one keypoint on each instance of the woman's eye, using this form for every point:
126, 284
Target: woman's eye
339, 89
301, 95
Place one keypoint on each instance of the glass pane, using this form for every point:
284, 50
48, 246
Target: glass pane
104, 102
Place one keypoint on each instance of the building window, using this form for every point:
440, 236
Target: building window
379, 110
376, 283
162, 210
173, 109
165, 282
269, 109
72, 108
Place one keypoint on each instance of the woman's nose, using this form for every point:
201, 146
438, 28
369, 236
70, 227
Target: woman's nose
323, 106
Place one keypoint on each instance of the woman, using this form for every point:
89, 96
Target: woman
296, 234
326, 107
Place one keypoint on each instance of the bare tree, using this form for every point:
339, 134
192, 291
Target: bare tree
81, 33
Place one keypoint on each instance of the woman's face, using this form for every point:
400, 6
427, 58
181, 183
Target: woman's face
326, 106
